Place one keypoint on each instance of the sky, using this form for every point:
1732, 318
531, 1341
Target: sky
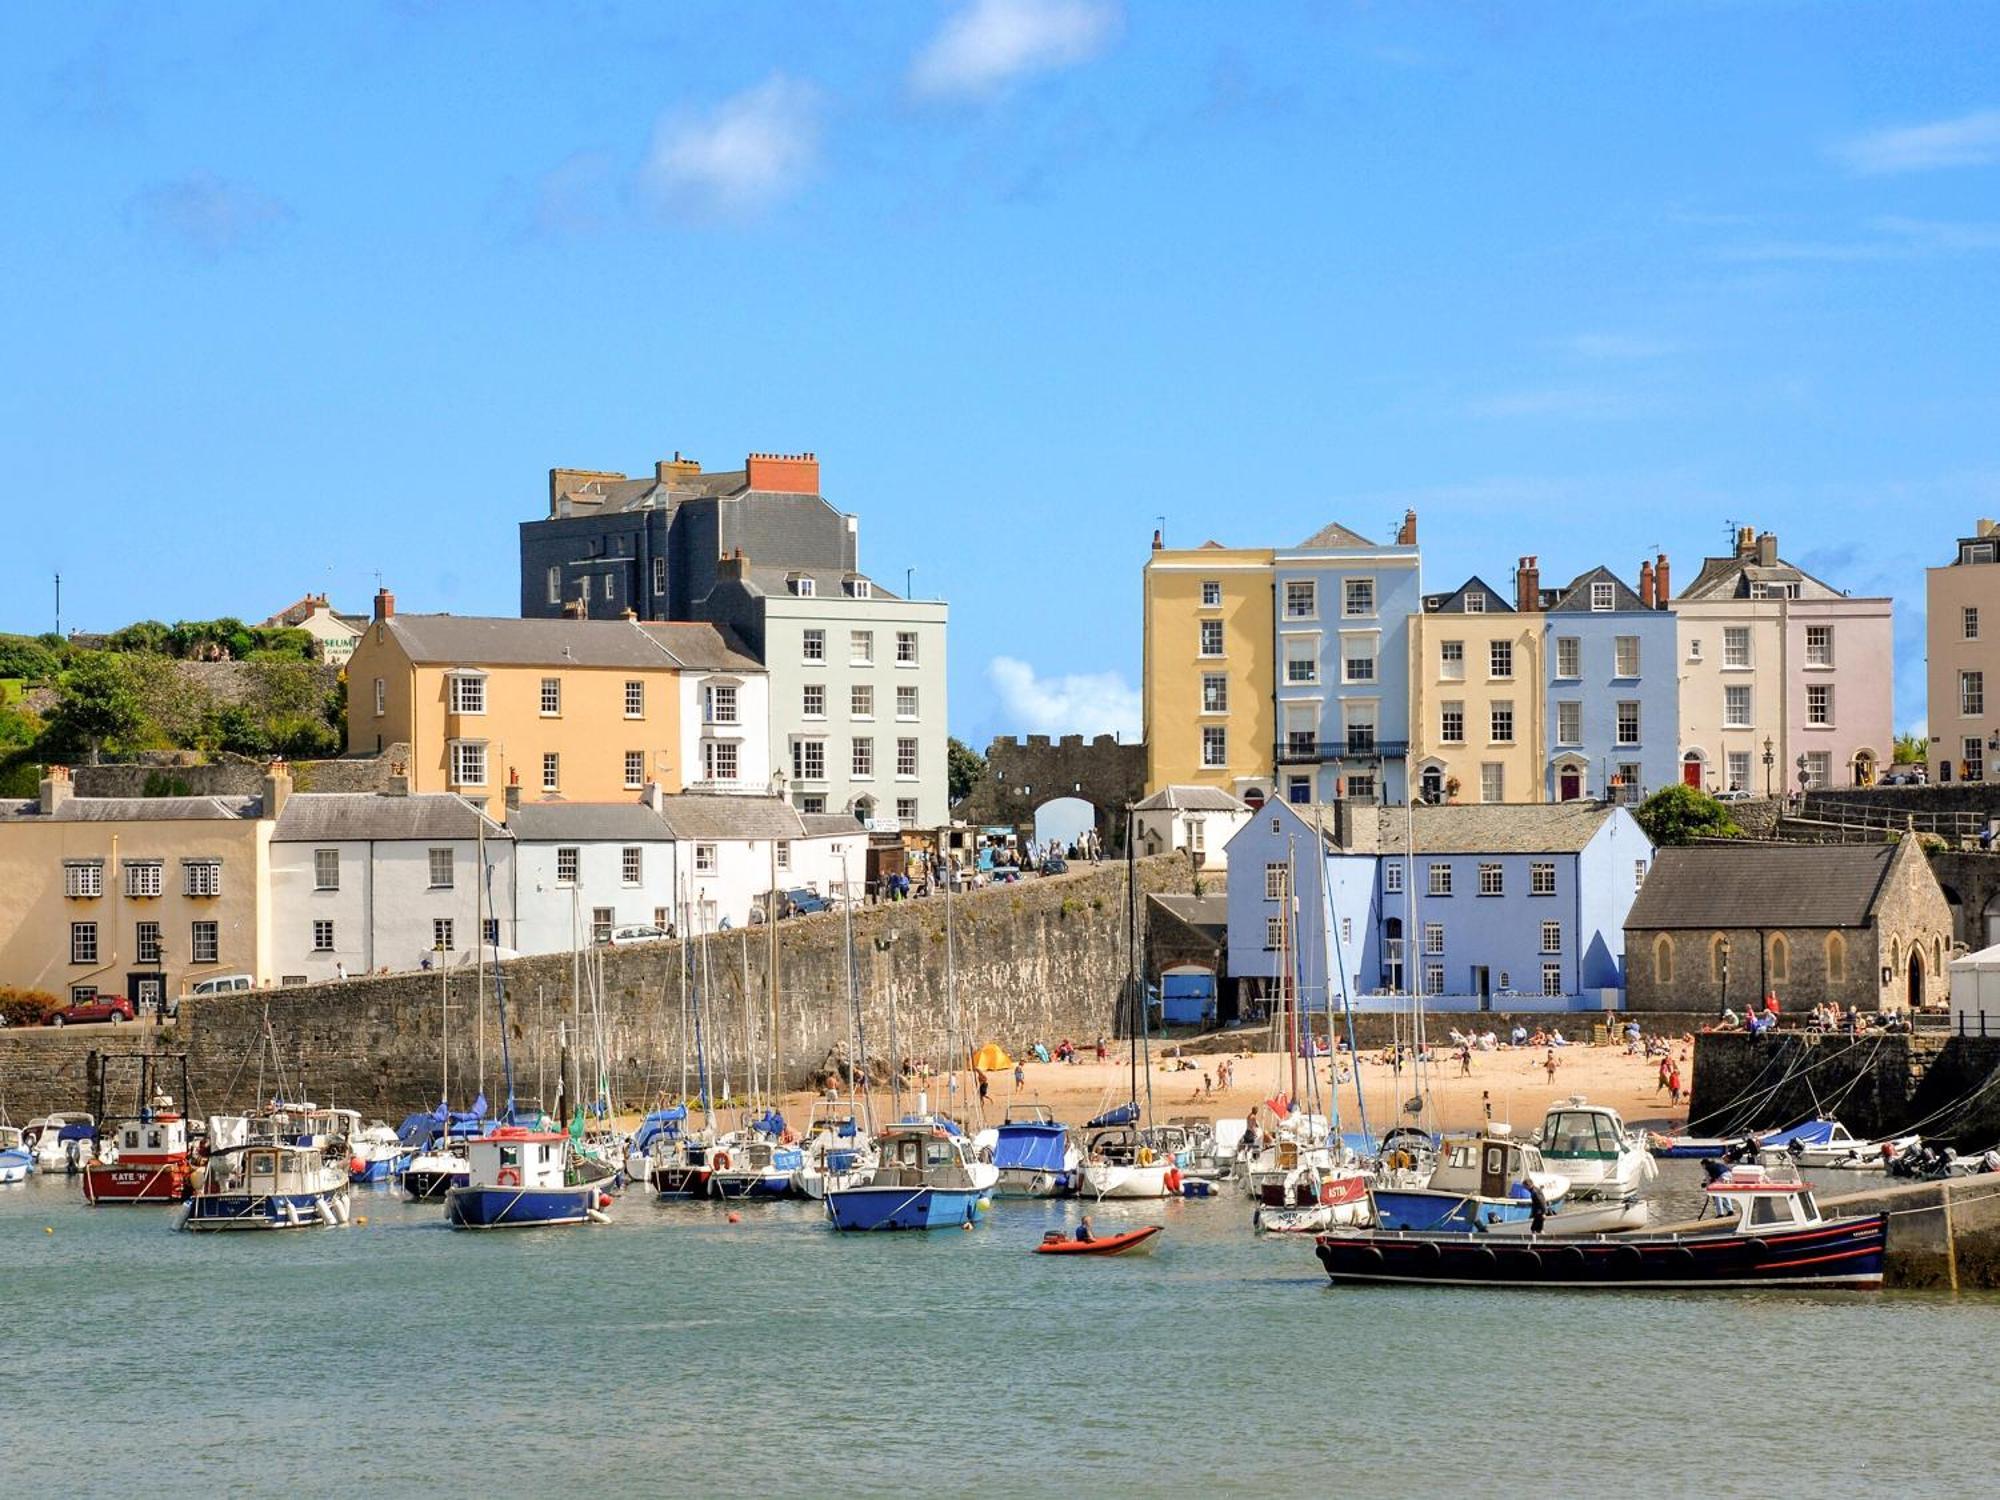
300, 297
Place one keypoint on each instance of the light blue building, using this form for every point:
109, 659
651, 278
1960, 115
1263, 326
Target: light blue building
1342, 616
1502, 907
1613, 669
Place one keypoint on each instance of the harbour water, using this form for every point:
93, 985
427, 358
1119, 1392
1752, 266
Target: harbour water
675, 1352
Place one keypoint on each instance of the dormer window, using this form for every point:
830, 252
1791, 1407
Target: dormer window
1475, 604
801, 585
859, 588
1603, 596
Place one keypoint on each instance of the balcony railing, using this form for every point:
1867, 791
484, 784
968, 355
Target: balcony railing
1318, 752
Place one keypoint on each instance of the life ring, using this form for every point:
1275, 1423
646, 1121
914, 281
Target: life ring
719, 1162
509, 1177
1145, 1156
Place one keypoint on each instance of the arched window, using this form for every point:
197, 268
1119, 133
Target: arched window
1717, 964
555, 585
1663, 959
1937, 955
1836, 958
1781, 959
1895, 953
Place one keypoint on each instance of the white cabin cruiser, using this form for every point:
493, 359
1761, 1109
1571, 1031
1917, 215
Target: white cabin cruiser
1589, 1144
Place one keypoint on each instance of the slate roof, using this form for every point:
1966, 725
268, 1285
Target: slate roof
830, 825
588, 822
1191, 799
1454, 602
1208, 915
1333, 534
497, 641
828, 583
135, 809
1574, 597
694, 815
1761, 885
1731, 577
1495, 828
326, 817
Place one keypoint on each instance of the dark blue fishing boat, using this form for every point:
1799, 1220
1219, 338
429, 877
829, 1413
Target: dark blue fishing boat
1779, 1239
519, 1178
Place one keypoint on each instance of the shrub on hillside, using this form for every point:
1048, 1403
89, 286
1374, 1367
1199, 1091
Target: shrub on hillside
22, 1007
1682, 814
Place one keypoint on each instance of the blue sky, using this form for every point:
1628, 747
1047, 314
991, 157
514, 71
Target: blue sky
299, 294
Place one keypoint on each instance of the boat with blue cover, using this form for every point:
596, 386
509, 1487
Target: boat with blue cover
517, 1178
1032, 1152
1778, 1239
1828, 1145
268, 1187
756, 1161
1480, 1183
924, 1178
376, 1154
436, 1143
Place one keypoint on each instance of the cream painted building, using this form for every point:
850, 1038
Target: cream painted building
1962, 650
1772, 660
1477, 695
134, 896
1208, 686
584, 710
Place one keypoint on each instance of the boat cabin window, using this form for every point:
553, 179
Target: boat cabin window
1771, 1208
510, 1156
131, 1140
1573, 1132
938, 1153
909, 1152
262, 1163
1461, 1154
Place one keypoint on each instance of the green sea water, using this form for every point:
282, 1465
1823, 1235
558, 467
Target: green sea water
675, 1353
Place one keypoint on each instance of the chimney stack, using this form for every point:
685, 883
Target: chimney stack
56, 790
399, 780
1746, 541
1158, 540
668, 469
733, 565
512, 796
782, 473
655, 797
277, 787
1646, 584
1767, 550
1663, 595
1407, 537
1984, 527
385, 605
1528, 585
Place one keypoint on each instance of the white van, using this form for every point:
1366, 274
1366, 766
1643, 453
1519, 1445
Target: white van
221, 984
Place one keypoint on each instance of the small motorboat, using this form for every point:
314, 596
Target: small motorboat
1778, 1239
519, 1178
924, 1178
376, 1154
17, 1161
1589, 1144
268, 1187
1032, 1150
151, 1165
1828, 1145
1480, 1182
1132, 1242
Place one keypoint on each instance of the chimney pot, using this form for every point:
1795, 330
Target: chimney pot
56, 789
1407, 537
385, 605
1767, 549
1646, 584
1158, 540
1663, 595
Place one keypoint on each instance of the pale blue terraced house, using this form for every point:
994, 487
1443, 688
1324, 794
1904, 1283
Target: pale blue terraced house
1502, 906
1612, 724
1342, 616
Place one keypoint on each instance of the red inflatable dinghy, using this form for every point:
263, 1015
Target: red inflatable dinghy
1132, 1242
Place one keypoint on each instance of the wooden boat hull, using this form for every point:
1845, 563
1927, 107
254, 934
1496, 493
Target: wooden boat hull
1841, 1253
135, 1182
1133, 1242
518, 1208
872, 1208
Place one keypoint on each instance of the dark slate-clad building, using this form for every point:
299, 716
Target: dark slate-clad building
651, 544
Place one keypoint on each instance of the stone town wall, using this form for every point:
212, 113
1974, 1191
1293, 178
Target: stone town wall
1870, 1083
184, 773
1035, 962
1022, 775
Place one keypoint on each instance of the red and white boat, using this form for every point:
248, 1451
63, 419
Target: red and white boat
151, 1164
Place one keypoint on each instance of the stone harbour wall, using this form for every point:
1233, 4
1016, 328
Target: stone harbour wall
1034, 962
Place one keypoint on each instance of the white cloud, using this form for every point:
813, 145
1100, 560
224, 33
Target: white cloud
207, 214
987, 44
1076, 703
1969, 141
746, 153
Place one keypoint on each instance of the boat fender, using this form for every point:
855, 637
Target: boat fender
187, 1213
1145, 1156
290, 1211
719, 1162
597, 1216
342, 1210
787, 1139
1372, 1254
1173, 1179
508, 1177
325, 1211
604, 1200
1757, 1247
356, 1167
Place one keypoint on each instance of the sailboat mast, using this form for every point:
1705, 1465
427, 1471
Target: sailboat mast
855, 1064
500, 1002
479, 979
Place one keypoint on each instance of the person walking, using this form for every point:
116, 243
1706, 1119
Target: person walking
983, 1086
1020, 1075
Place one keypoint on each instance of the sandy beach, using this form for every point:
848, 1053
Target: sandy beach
1517, 1081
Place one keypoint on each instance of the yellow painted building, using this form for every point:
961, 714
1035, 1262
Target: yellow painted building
582, 710
1478, 696
134, 896
1208, 676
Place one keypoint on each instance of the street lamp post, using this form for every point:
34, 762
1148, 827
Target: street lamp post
1769, 761
1804, 775
1722, 1005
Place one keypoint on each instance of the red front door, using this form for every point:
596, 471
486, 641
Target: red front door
1691, 773
1572, 784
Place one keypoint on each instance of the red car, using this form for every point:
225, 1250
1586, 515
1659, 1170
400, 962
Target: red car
103, 1008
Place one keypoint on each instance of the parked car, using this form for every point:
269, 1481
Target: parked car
643, 932
222, 984
1902, 778
1055, 864
97, 1008
1734, 794
804, 903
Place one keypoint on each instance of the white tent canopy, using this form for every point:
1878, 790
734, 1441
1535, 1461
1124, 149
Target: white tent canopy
1975, 993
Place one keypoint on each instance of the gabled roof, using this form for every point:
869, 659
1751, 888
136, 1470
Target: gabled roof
830, 825
1191, 799
327, 817
1333, 534
1732, 578
1454, 602
1717, 886
136, 810
1574, 598
828, 583
693, 815
498, 641
588, 822
1495, 828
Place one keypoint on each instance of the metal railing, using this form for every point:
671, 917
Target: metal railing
1956, 827
1313, 752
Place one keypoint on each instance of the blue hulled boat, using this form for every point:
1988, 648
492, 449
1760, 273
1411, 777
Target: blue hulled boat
1479, 1183
518, 1178
923, 1179
268, 1187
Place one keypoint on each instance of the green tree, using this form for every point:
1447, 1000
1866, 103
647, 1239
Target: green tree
27, 658
148, 636
95, 703
1681, 814
965, 768
1910, 749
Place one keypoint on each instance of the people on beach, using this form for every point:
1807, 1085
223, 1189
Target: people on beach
1549, 1063
1020, 1076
